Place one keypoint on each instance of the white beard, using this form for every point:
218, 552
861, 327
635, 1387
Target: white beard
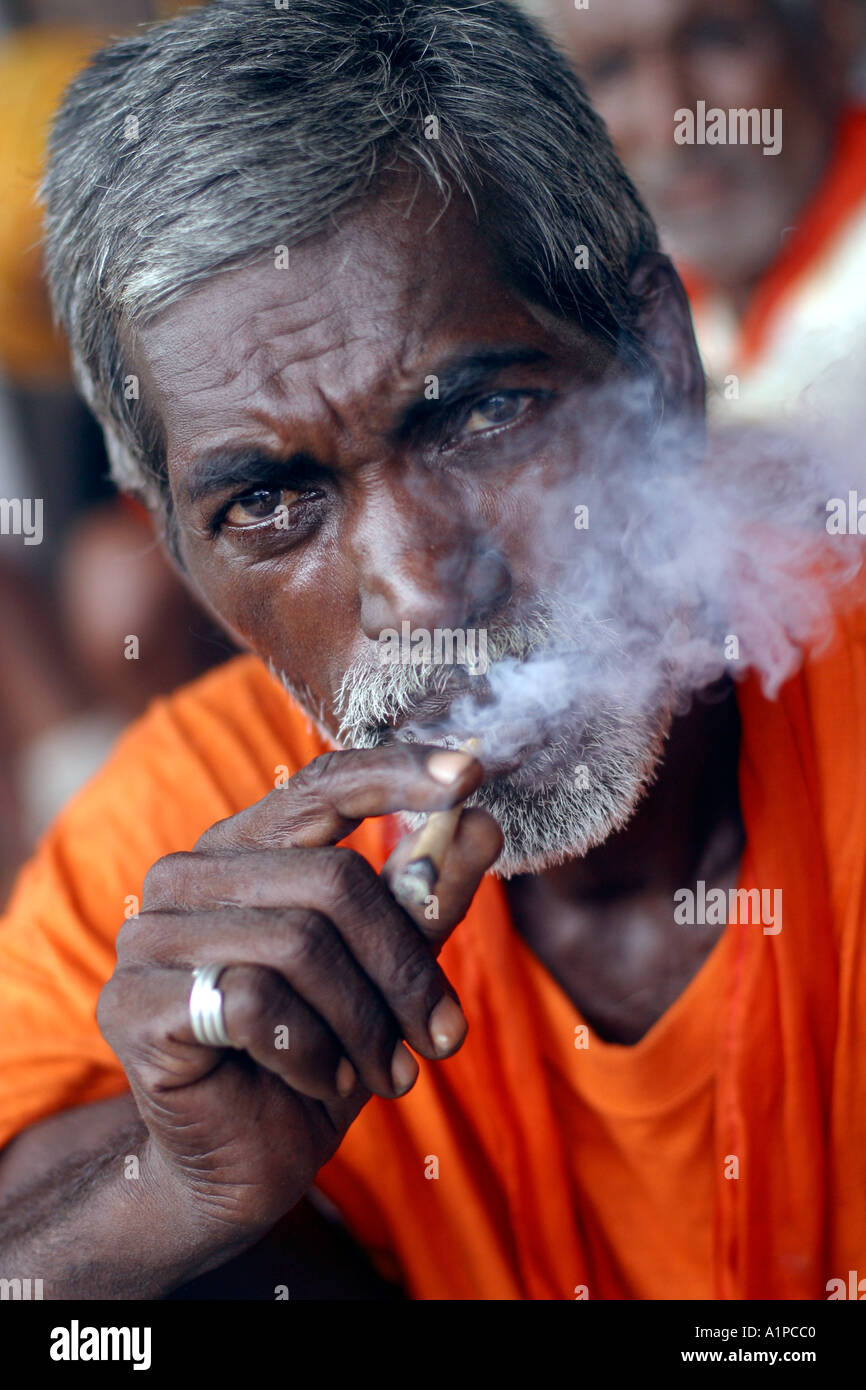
562, 819
585, 784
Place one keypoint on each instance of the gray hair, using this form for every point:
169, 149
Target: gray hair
200, 143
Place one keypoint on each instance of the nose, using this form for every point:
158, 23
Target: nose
421, 558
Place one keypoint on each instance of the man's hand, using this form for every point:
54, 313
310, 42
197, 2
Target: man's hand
326, 975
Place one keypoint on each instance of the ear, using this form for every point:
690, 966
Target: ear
664, 326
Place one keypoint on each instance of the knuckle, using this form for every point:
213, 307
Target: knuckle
115, 1006
221, 835
139, 937
307, 938
164, 877
127, 937
351, 880
321, 769
106, 1007
414, 972
253, 994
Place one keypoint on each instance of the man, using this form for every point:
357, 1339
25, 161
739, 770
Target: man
769, 232
323, 294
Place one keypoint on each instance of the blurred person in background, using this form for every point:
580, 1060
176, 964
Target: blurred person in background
68, 681
259, 821
772, 247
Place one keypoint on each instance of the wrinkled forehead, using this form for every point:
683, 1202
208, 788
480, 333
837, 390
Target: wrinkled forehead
385, 268
342, 322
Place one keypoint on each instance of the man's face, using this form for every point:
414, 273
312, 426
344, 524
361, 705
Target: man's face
363, 439
723, 209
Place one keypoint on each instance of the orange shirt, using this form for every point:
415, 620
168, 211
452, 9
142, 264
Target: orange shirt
526, 1167
637, 1126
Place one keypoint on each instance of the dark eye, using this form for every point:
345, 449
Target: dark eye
494, 411
262, 505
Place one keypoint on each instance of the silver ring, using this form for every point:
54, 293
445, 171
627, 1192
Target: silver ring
206, 1007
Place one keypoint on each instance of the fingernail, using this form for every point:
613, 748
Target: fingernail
346, 1078
447, 1026
447, 767
404, 1069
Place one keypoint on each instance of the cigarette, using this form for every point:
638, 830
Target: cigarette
416, 882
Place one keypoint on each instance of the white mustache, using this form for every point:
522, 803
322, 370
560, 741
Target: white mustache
374, 698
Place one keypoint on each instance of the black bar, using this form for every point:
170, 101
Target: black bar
261, 1340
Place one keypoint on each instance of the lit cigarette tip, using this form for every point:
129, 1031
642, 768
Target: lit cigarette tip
416, 882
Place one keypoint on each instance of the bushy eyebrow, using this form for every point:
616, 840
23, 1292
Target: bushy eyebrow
217, 470
461, 377
221, 469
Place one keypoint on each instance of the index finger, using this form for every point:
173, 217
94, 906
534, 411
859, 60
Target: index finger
326, 800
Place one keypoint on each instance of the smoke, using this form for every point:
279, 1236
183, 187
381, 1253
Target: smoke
659, 566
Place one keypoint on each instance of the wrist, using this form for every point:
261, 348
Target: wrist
195, 1233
